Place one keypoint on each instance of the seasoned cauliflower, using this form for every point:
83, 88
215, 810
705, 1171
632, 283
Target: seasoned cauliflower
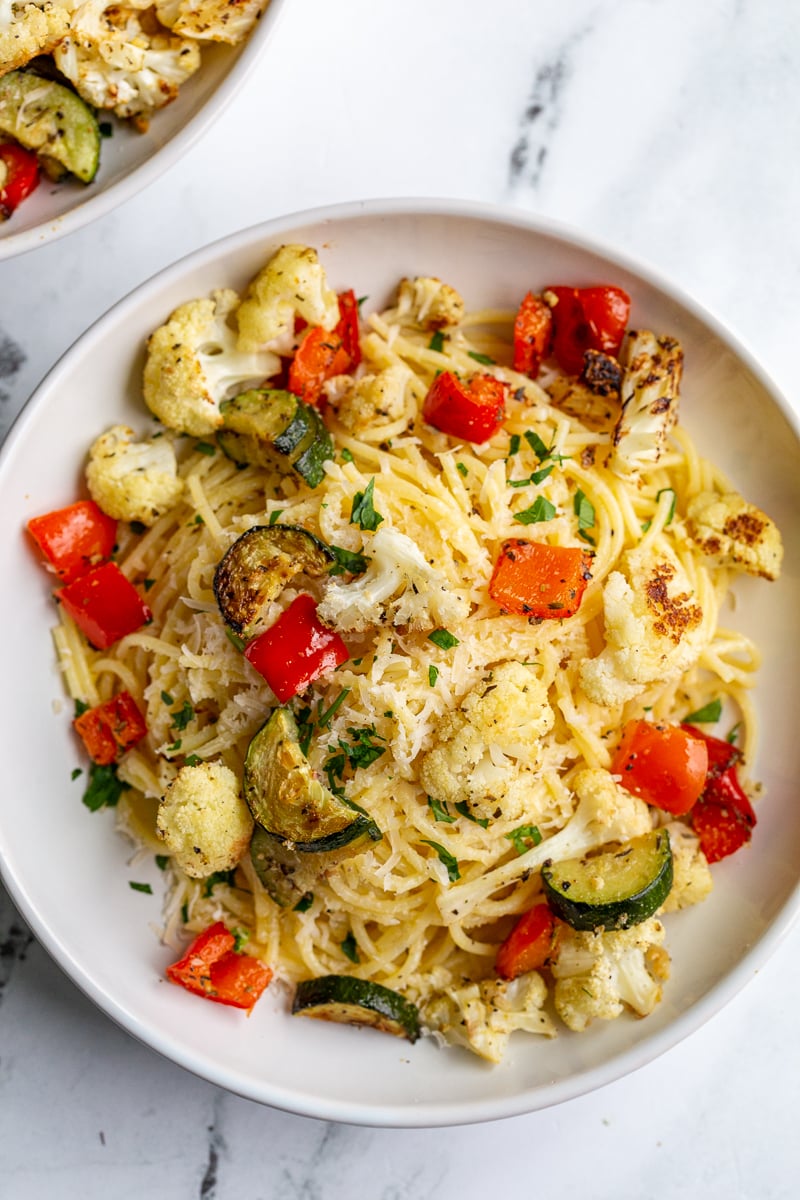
398, 587
604, 813
691, 874
28, 29
203, 820
599, 974
487, 751
482, 1016
736, 533
367, 405
429, 303
653, 628
650, 390
293, 283
211, 20
193, 365
119, 58
132, 481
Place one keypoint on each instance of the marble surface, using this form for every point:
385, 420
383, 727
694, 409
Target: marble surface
667, 128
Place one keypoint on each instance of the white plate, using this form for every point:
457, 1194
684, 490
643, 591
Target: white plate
67, 869
129, 161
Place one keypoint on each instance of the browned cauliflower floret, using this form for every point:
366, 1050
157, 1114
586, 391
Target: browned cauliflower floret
133, 481
598, 975
367, 405
653, 628
429, 303
691, 874
487, 750
118, 57
650, 391
293, 283
203, 820
211, 20
736, 533
193, 365
482, 1016
28, 29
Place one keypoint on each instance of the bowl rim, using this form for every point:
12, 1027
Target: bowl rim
100, 203
419, 1115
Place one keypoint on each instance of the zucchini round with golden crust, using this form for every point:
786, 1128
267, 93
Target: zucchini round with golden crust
357, 1002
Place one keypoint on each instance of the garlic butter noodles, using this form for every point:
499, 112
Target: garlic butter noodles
470, 749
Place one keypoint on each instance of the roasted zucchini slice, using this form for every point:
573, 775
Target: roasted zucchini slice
288, 801
286, 875
613, 890
271, 428
49, 118
257, 567
357, 1002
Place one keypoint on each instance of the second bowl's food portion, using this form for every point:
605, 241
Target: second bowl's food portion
64, 63
398, 641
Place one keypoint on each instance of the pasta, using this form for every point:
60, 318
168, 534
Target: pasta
423, 909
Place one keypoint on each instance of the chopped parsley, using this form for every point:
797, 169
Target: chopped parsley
81, 708
347, 561
324, 718
446, 859
671, 512
234, 639
513, 444
349, 948
182, 717
140, 887
192, 760
148, 583
481, 358
205, 448
240, 938
360, 751
167, 699
104, 788
541, 451
462, 469
275, 516
363, 511
524, 837
433, 675
162, 861
463, 809
76, 771
437, 342
733, 736
443, 638
304, 903
540, 510
346, 455
217, 877
439, 811
584, 511
707, 715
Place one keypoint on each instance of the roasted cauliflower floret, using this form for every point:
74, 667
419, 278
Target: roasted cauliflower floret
398, 588
482, 1016
429, 303
211, 20
293, 283
650, 392
366, 405
736, 533
28, 29
653, 628
133, 481
118, 57
487, 751
193, 365
598, 975
691, 874
203, 820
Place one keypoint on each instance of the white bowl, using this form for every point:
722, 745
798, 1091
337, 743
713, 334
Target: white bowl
129, 161
68, 870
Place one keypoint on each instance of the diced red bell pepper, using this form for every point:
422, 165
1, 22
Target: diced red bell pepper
723, 817
104, 605
472, 410
592, 318
534, 579
296, 650
533, 335
532, 943
721, 754
74, 539
111, 728
664, 765
19, 176
348, 329
213, 969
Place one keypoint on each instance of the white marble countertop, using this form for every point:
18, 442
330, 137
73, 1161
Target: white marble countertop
670, 130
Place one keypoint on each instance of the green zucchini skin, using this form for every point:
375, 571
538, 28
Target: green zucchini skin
271, 428
287, 800
613, 890
357, 1002
57, 124
257, 566
286, 875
